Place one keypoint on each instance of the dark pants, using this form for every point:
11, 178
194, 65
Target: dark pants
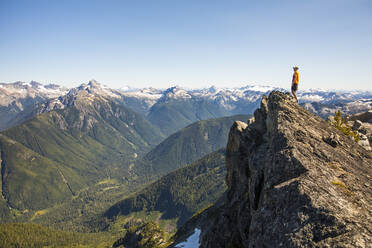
294, 87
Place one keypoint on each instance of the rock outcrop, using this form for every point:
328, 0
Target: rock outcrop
363, 117
146, 235
362, 122
293, 181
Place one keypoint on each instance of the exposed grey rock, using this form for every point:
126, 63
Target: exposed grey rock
364, 142
357, 124
362, 122
330, 118
289, 187
332, 140
363, 117
144, 235
363, 130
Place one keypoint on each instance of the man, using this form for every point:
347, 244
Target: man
295, 80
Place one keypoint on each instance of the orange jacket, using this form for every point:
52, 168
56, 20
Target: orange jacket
296, 77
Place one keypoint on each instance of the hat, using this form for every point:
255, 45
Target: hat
295, 67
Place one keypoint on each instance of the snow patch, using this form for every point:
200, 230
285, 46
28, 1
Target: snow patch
192, 241
27, 84
311, 98
258, 88
145, 94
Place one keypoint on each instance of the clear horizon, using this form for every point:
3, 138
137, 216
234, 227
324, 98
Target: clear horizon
242, 85
192, 44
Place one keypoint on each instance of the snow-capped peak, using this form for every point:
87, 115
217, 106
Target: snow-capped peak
175, 92
94, 88
212, 89
258, 88
127, 88
10, 92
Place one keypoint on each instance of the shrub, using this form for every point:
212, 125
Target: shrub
340, 122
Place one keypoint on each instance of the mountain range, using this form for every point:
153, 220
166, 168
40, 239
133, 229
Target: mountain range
87, 142
173, 108
81, 141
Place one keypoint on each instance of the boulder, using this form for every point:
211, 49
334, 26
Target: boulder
357, 124
363, 117
364, 142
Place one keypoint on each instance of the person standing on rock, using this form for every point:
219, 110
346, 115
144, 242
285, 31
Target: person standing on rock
295, 80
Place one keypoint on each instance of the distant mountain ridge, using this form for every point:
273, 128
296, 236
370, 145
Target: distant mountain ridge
18, 100
348, 107
230, 97
175, 106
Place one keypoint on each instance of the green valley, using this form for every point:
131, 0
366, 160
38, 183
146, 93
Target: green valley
174, 198
80, 213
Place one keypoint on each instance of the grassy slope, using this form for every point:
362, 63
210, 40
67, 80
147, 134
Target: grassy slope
27, 176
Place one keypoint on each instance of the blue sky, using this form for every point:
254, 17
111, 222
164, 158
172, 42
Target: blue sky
189, 43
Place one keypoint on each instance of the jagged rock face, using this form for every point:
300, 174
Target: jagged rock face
85, 105
288, 187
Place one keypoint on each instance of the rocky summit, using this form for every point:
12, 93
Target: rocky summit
293, 181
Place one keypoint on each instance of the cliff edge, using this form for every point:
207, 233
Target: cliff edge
293, 181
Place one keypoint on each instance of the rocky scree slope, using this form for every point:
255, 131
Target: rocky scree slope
293, 181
